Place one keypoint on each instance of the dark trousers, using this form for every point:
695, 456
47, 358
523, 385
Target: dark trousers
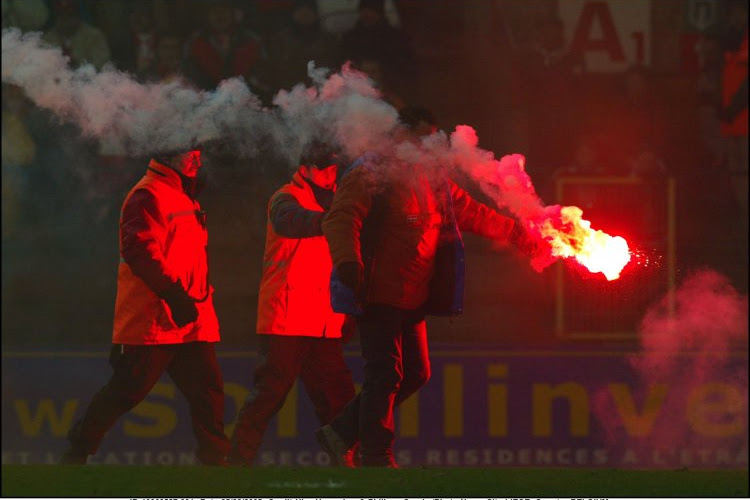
194, 369
397, 364
318, 362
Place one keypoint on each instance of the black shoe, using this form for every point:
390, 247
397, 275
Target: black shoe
73, 457
213, 460
386, 461
238, 461
339, 453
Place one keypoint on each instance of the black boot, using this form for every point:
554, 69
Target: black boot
71, 456
74, 455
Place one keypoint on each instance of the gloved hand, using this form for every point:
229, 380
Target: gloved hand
522, 240
348, 328
351, 275
182, 306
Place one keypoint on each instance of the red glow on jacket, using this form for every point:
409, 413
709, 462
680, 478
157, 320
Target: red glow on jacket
162, 240
294, 297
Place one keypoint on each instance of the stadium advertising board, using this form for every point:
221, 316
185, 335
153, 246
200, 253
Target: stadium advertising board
610, 34
481, 408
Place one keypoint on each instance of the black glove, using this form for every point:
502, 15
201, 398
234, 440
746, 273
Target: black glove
350, 275
521, 239
182, 306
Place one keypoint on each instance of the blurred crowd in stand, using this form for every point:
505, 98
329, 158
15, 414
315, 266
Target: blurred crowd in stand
575, 126
201, 43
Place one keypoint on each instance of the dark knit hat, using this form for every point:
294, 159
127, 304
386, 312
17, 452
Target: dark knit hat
376, 5
319, 154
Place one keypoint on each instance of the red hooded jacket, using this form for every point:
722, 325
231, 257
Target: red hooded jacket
163, 240
294, 296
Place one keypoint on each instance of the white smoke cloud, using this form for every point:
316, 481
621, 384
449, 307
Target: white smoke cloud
145, 118
344, 106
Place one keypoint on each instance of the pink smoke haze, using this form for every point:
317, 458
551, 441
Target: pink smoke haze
710, 316
691, 349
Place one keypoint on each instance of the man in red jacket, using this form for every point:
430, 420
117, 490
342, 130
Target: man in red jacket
300, 334
387, 229
164, 313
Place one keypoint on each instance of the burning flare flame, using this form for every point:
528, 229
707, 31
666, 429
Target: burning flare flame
595, 250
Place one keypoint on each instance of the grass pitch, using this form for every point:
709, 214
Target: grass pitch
46, 481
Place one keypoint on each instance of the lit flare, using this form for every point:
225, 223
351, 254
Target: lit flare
594, 249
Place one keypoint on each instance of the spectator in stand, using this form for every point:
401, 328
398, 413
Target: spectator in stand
637, 133
587, 162
181, 17
168, 65
26, 15
587, 159
374, 70
138, 55
339, 16
301, 41
223, 49
374, 38
267, 17
734, 99
111, 17
80, 41
18, 152
545, 71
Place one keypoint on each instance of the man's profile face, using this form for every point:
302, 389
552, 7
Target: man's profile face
324, 177
188, 163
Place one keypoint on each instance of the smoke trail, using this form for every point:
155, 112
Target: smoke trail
145, 118
142, 119
504, 181
686, 369
344, 107
139, 118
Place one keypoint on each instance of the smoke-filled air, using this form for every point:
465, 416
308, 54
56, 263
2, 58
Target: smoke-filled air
344, 106
687, 364
146, 118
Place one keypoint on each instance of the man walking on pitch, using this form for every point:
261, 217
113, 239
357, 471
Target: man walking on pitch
394, 234
300, 334
164, 313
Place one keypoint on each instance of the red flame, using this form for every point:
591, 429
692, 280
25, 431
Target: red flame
594, 249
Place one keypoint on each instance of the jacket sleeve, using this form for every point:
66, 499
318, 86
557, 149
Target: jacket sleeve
738, 102
342, 225
142, 230
479, 218
290, 220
